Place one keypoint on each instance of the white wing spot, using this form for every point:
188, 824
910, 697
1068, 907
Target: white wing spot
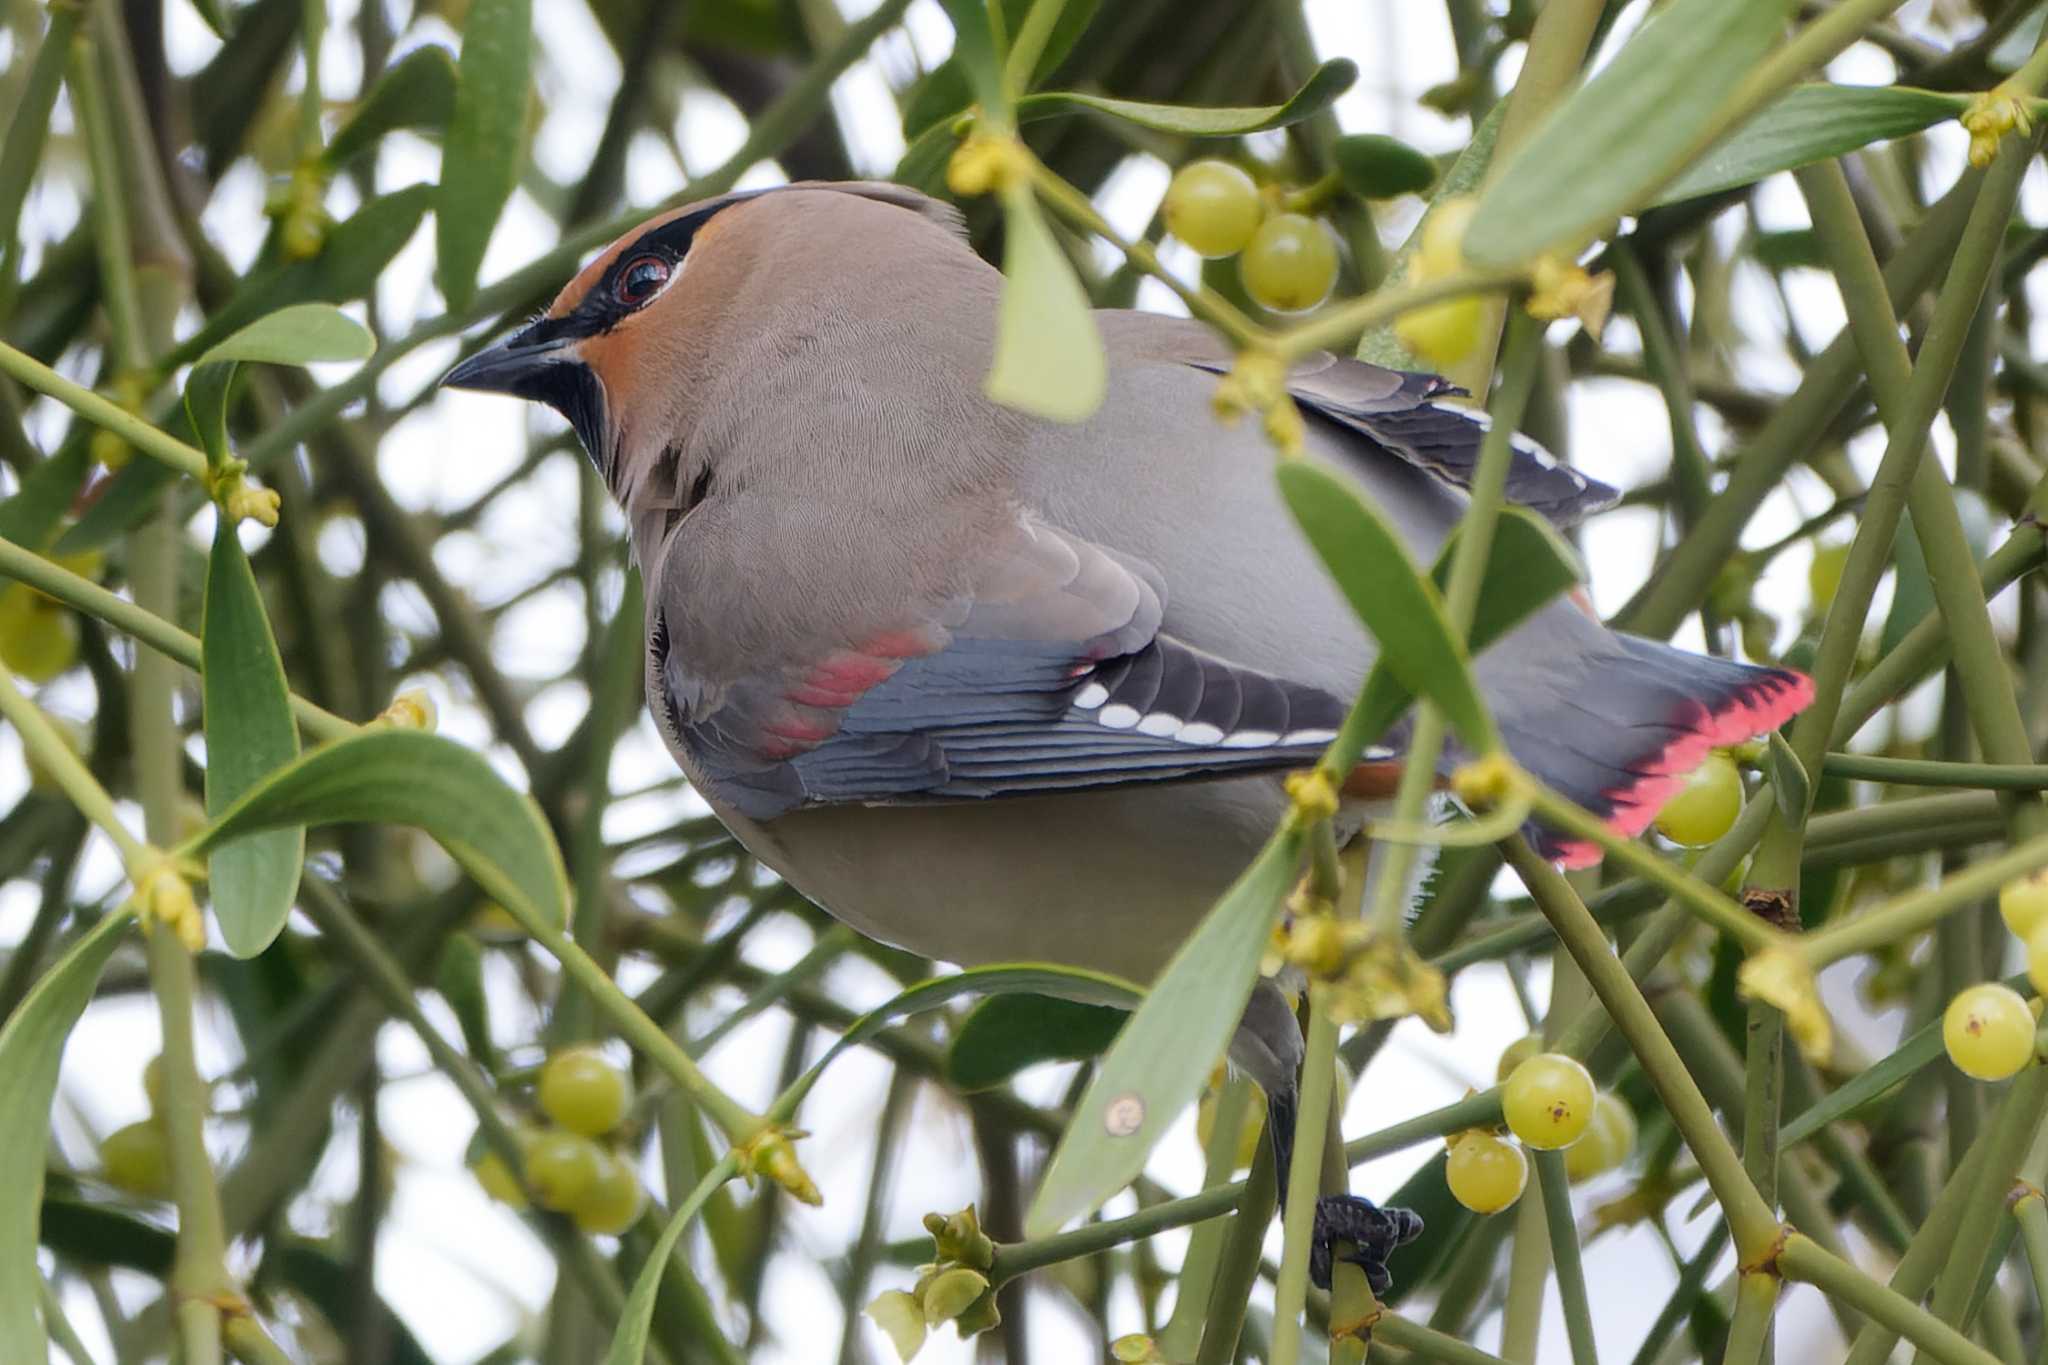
1374, 753
1159, 723
1535, 452
1119, 716
1251, 739
1091, 696
1308, 736
1198, 732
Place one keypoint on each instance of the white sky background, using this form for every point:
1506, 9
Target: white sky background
462, 1271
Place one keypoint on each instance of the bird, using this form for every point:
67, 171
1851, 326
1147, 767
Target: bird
992, 688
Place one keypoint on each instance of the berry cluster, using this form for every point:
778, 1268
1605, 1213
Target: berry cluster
1287, 261
1549, 1102
1989, 1028
585, 1097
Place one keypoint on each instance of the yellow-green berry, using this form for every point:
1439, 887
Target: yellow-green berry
1705, 808
1213, 207
1608, 1141
1989, 1031
561, 1166
1484, 1173
1548, 1101
581, 1090
1290, 264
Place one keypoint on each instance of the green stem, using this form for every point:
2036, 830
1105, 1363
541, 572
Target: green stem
147, 627
2032, 1216
737, 1122
28, 130
1181, 1336
1521, 1327
48, 751
1202, 301
1806, 1260
1461, 596
1903, 916
109, 211
1794, 429
246, 1338
1425, 1343
1979, 659
1556, 1191
1762, 1097
1775, 868
1756, 1228
1749, 1331
1239, 1271
1342, 321
1705, 901
1926, 647
1922, 772
32, 373
199, 1281
1971, 1245
1029, 45
1304, 1178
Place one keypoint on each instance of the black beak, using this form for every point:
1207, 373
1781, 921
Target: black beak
517, 365
538, 365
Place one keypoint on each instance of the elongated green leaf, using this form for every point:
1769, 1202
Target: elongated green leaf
480, 156
1049, 359
1610, 145
1811, 123
1402, 609
636, 1317
299, 334
249, 735
1318, 93
1528, 566
404, 777
31, 1050
416, 91
1007, 1033
1918, 1049
1163, 1055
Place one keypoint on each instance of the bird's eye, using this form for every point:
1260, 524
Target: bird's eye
641, 280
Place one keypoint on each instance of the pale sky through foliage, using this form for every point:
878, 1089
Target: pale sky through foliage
462, 1271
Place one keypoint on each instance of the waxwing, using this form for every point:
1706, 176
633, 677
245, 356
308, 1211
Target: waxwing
992, 688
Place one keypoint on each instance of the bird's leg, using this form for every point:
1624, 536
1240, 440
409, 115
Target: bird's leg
1366, 1233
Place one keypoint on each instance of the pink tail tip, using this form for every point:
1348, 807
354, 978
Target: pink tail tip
1775, 697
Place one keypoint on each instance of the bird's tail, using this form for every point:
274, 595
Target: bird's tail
1623, 742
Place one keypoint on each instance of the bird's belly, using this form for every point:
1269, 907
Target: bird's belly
1111, 881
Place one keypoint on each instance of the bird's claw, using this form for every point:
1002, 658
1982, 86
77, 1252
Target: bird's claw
1371, 1233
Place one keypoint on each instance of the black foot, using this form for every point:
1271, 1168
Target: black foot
1368, 1233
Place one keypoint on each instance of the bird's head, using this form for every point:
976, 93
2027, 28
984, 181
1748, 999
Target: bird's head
621, 348
576, 356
